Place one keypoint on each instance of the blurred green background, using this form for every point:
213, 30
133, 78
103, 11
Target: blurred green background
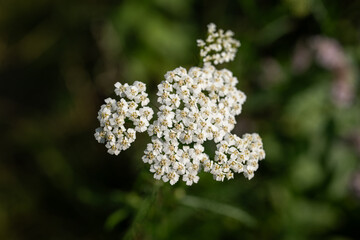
298, 65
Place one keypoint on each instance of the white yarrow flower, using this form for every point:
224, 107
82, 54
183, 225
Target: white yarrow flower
194, 106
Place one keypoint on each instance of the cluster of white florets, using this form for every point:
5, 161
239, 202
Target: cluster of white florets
195, 106
169, 160
198, 106
236, 155
219, 46
120, 120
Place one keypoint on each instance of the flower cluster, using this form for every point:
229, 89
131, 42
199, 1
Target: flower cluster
120, 120
219, 46
195, 106
236, 155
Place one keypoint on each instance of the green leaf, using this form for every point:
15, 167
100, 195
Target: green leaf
219, 208
115, 218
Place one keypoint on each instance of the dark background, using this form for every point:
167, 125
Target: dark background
298, 65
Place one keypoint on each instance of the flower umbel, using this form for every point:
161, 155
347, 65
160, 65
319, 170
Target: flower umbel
197, 105
114, 115
219, 46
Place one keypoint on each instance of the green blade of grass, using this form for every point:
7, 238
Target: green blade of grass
219, 208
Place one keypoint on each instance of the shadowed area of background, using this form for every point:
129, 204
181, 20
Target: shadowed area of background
298, 65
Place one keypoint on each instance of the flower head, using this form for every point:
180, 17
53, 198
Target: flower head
219, 46
195, 105
205, 108
131, 109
